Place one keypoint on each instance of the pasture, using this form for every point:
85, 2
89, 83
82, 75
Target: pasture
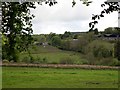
51, 55
31, 77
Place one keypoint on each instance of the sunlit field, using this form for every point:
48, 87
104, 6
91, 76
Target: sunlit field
29, 77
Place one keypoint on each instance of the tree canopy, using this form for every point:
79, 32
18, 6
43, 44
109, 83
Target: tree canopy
17, 27
112, 6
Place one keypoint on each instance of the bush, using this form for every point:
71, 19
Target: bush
33, 59
83, 60
114, 62
5, 61
44, 60
118, 63
56, 41
117, 50
100, 49
65, 44
91, 59
26, 59
37, 60
108, 61
66, 60
100, 52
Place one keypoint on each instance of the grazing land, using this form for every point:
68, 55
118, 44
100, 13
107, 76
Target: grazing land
31, 77
51, 55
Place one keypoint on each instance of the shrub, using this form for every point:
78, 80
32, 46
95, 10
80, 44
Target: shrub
91, 59
44, 60
66, 60
100, 52
114, 62
5, 61
84, 61
37, 60
118, 63
117, 50
12, 61
26, 59
100, 49
108, 61
56, 41
65, 44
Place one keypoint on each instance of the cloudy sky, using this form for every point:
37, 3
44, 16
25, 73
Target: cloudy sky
62, 17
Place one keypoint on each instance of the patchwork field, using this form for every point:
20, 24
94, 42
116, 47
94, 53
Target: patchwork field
30, 77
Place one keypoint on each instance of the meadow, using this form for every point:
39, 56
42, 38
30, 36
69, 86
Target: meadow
36, 77
51, 55
27, 77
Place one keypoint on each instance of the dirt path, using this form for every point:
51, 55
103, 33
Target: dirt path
61, 66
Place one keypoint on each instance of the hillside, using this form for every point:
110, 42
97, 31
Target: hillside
51, 55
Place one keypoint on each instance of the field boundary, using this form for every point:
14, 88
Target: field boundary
60, 66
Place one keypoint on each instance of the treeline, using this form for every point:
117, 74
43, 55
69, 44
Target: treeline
112, 30
96, 51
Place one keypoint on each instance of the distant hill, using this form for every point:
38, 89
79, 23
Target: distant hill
78, 32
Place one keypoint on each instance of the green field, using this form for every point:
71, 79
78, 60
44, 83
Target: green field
52, 55
28, 77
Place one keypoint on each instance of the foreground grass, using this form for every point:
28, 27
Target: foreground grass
26, 77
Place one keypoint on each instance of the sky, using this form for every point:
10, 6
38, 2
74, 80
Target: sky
63, 17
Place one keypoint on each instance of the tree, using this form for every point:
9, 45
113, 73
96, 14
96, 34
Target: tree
112, 6
117, 30
108, 30
112, 30
66, 35
86, 2
117, 49
16, 27
42, 39
99, 52
76, 36
65, 44
96, 31
84, 40
56, 41
51, 35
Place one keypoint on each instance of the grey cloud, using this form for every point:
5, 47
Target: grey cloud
62, 17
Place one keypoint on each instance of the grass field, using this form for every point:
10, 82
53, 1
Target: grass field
26, 77
52, 55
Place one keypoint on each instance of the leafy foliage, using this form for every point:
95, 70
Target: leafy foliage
17, 27
66, 35
112, 6
86, 2
110, 30
117, 49
56, 41
100, 48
